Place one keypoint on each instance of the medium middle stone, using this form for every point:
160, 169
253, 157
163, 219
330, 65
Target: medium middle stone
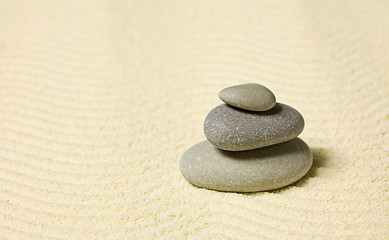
233, 129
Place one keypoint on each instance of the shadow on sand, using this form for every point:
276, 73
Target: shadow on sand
319, 159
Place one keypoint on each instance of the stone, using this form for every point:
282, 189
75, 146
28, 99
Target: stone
235, 129
260, 169
251, 96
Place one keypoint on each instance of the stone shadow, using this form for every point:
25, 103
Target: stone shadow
319, 160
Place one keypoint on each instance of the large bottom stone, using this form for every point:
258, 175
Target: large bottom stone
255, 170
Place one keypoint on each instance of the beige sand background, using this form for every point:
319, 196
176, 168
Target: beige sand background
99, 99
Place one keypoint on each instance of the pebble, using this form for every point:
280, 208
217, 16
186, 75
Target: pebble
234, 129
261, 169
251, 96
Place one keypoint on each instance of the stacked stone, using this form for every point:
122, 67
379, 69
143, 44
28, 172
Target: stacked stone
252, 144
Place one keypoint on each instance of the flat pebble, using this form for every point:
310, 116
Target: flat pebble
250, 96
261, 169
234, 129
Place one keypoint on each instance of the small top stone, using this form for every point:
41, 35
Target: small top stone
250, 96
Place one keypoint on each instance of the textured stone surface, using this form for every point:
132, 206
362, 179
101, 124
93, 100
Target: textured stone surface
250, 96
234, 129
261, 169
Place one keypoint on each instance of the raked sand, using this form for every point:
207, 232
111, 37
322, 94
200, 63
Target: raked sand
99, 100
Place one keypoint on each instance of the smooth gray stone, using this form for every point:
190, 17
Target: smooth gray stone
250, 96
261, 169
235, 129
